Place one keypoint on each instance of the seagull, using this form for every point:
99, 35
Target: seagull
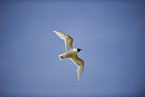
71, 53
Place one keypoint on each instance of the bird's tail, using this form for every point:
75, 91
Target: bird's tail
61, 57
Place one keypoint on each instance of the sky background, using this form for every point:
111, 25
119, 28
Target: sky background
111, 34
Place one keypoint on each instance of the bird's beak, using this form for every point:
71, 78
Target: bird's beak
81, 49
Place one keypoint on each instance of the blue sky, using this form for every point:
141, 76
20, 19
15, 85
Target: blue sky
111, 34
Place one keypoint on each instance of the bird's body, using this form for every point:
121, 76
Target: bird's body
71, 53
68, 54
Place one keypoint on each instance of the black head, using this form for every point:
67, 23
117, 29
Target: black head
79, 49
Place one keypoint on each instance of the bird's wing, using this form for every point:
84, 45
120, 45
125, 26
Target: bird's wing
80, 64
67, 39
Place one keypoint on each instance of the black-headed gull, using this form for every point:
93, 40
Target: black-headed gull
71, 53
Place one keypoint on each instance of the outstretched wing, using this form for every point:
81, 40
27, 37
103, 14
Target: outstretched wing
80, 64
67, 39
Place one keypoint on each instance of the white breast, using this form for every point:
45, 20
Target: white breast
71, 53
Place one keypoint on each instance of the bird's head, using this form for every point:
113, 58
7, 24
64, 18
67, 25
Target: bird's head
79, 49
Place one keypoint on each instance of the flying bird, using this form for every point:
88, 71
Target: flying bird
71, 53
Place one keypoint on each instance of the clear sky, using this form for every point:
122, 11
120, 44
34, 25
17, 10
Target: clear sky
111, 34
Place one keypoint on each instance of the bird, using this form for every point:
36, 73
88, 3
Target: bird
71, 53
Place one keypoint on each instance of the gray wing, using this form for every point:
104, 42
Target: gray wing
67, 39
80, 64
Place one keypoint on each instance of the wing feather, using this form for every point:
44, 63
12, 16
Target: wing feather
80, 64
67, 39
